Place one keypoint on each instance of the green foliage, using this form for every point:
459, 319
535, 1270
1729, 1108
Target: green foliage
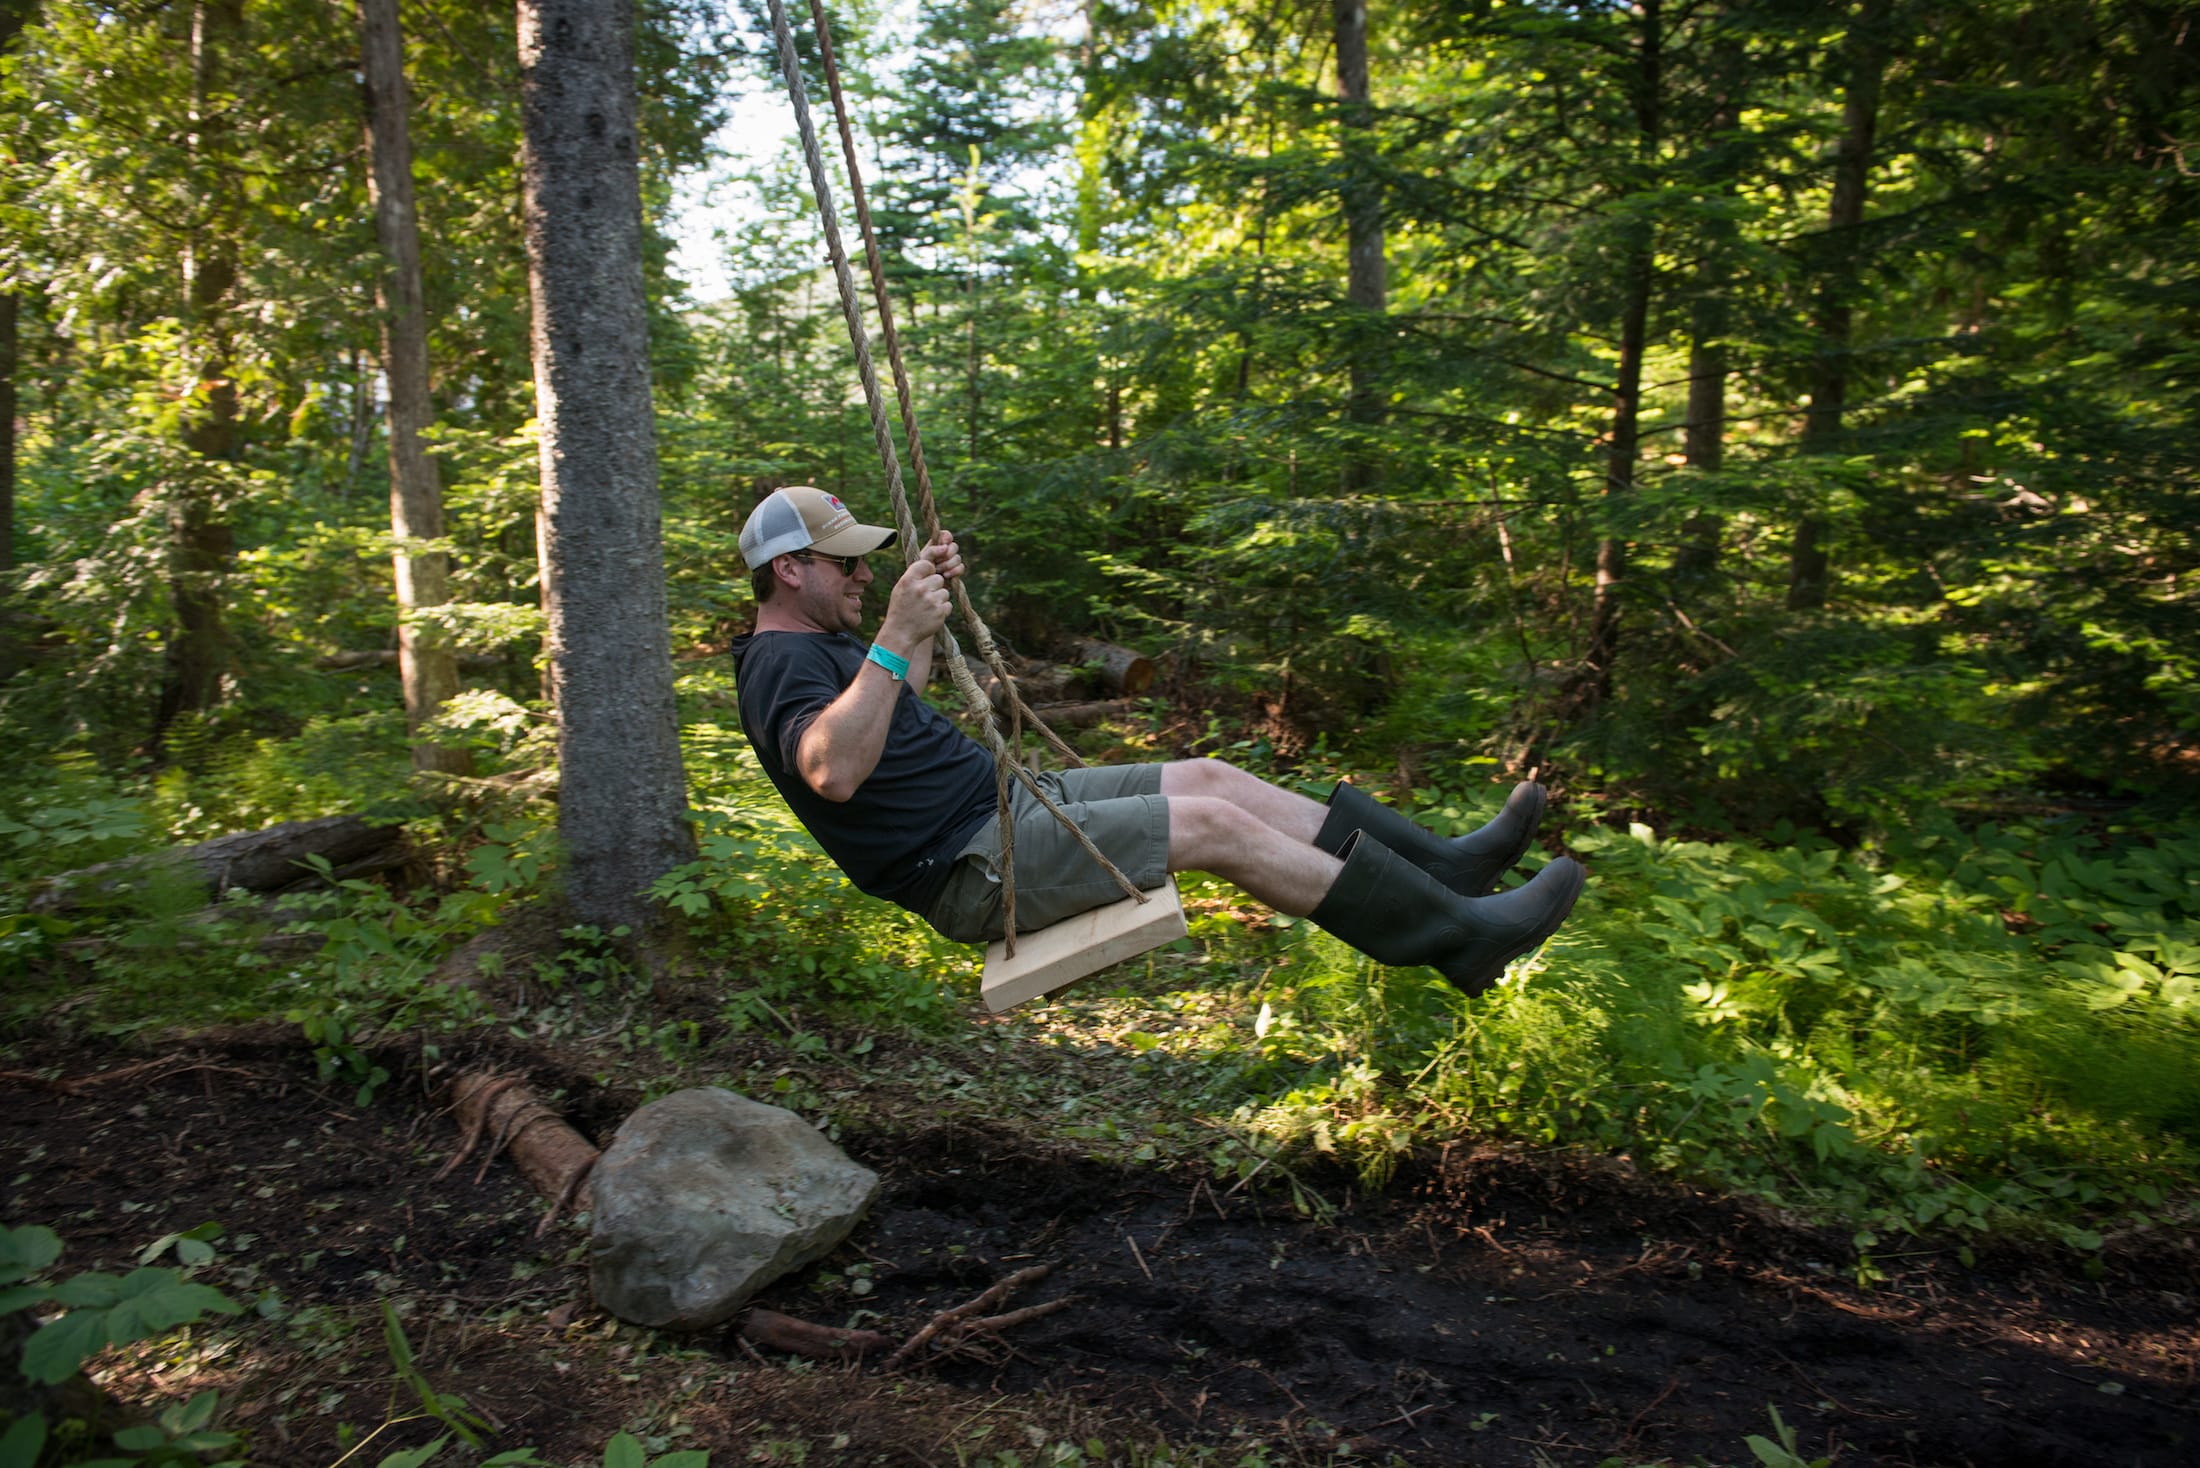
1955, 1032
371, 972
447, 1408
103, 1311
626, 1451
762, 897
1783, 1449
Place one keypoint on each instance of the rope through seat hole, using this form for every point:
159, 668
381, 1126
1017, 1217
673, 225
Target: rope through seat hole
1008, 767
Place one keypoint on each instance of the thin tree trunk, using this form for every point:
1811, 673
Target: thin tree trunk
427, 663
1092, 152
200, 542
1626, 441
1703, 435
7, 432
1367, 280
1865, 50
13, 15
1703, 438
622, 806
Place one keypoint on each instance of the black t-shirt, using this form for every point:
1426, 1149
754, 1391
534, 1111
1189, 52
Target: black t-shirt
932, 790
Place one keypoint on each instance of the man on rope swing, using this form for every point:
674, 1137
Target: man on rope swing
905, 802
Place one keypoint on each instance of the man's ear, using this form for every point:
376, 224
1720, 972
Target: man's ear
783, 568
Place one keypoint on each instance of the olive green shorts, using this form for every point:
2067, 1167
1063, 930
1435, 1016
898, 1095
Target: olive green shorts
1119, 806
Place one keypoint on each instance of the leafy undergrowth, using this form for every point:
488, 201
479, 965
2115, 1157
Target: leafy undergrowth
1960, 1037
1953, 1032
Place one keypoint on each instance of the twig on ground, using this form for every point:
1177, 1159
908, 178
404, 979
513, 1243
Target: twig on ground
1402, 1417
29, 1081
1016, 1317
991, 1296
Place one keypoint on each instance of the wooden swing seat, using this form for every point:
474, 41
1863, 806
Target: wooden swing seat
1057, 956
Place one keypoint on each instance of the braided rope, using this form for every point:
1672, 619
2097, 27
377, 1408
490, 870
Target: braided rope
1005, 761
883, 301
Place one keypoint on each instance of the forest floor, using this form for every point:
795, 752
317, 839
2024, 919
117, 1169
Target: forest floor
1491, 1306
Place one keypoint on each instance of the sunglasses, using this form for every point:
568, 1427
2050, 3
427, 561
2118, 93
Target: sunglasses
847, 564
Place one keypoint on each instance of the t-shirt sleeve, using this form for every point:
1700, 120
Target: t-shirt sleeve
792, 692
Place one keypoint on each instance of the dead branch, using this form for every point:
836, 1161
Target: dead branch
1016, 1317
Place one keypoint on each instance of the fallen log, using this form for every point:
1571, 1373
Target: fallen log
1037, 682
1084, 715
273, 860
1117, 670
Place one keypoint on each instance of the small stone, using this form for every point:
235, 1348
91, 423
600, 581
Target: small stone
704, 1197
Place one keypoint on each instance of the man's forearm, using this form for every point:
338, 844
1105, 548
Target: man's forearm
842, 746
920, 663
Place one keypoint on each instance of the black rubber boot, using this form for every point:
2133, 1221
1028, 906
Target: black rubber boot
1469, 865
1395, 913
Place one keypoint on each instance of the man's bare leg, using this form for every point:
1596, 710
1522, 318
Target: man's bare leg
1291, 814
1261, 837
1211, 834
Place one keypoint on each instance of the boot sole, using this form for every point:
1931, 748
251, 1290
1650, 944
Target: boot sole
1534, 941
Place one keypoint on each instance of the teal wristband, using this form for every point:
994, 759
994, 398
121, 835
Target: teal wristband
896, 666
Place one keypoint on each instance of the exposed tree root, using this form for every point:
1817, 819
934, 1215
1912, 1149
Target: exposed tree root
955, 1323
554, 1158
802, 1338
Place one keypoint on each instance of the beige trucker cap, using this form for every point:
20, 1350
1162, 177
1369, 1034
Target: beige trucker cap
803, 518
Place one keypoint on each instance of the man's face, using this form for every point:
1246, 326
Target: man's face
831, 599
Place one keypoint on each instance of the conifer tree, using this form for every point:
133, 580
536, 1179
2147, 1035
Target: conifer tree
622, 807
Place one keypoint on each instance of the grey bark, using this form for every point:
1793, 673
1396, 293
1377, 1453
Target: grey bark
623, 801
427, 663
1367, 277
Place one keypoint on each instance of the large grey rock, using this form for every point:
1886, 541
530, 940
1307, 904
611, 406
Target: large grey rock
704, 1197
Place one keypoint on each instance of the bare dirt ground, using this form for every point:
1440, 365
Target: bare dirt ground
1492, 1307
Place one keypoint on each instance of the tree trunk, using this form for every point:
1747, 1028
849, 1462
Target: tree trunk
427, 663
13, 14
1092, 153
1367, 283
1703, 435
1703, 438
200, 543
1626, 442
7, 434
622, 809
1865, 53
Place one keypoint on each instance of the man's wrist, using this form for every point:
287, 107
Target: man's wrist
896, 666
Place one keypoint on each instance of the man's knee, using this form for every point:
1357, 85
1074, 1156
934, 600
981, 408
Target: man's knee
1188, 778
1204, 829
